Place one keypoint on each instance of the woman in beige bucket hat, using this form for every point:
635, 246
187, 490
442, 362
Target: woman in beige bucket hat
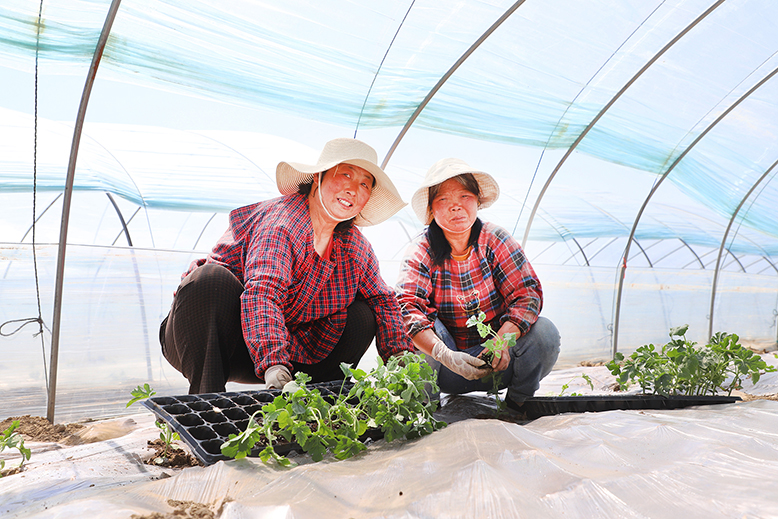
292, 285
460, 266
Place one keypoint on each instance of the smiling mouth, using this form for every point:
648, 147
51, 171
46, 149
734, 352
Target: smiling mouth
345, 203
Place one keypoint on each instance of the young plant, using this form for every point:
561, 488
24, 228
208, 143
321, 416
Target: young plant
492, 348
140, 393
680, 367
167, 435
584, 376
394, 397
13, 440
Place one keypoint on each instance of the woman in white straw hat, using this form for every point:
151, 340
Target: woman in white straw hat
460, 266
292, 285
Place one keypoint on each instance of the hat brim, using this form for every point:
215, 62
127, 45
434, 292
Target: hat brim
384, 200
490, 192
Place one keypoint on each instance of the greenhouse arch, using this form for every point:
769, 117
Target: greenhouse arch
195, 102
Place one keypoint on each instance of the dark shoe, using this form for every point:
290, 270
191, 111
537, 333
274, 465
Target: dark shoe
512, 404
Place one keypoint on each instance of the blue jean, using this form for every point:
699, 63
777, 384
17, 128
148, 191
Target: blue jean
532, 358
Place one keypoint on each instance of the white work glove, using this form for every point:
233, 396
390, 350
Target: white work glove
467, 366
277, 376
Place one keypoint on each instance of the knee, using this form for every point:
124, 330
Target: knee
211, 272
547, 331
208, 278
548, 338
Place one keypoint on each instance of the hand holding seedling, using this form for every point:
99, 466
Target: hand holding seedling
460, 362
496, 349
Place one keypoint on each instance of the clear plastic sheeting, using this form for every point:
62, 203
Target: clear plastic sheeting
704, 462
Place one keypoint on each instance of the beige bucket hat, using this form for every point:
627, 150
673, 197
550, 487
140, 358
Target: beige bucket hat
443, 170
384, 200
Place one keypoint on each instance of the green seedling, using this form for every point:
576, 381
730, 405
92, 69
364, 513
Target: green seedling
140, 393
167, 435
13, 440
393, 398
492, 348
584, 376
680, 367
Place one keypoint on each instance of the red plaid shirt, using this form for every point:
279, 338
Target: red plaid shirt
294, 302
496, 278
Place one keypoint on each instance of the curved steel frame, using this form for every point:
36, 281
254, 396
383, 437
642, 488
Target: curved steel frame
121, 218
605, 109
445, 77
63, 234
723, 242
702, 265
623, 264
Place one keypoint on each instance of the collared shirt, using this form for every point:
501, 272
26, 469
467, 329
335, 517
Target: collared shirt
294, 303
496, 279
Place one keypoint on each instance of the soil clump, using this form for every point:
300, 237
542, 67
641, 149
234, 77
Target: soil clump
182, 510
176, 457
38, 429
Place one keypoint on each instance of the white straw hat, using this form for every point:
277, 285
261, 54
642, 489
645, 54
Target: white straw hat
443, 170
384, 200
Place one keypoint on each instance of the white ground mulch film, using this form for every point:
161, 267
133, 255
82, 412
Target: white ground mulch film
704, 462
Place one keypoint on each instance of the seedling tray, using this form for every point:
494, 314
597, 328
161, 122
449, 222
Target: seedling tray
205, 421
536, 407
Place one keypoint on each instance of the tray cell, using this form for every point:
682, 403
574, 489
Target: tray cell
213, 417
190, 420
236, 413
176, 409
225, 429
222, 403
202, 433
200, 406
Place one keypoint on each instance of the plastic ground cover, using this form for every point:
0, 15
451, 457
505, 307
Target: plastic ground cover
702, 462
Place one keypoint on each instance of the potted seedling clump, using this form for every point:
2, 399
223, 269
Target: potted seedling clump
392, 400
681, 367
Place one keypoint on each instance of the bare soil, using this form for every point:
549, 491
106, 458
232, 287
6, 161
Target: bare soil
176, 457
39, 429
182, 510
748, 398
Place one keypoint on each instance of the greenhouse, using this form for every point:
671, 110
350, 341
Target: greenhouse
635, 143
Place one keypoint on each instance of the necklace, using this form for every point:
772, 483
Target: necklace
462, 257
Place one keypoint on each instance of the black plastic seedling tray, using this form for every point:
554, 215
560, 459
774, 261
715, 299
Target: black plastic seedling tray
205, 421
536, 407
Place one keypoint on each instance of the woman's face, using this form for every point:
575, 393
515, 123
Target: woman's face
345, 189
454, 207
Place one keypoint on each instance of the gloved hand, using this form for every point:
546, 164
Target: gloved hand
277, 376
459, 362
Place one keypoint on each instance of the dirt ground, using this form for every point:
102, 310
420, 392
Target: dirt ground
182, 510
39, 429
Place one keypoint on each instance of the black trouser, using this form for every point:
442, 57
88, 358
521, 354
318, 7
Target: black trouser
202, 336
